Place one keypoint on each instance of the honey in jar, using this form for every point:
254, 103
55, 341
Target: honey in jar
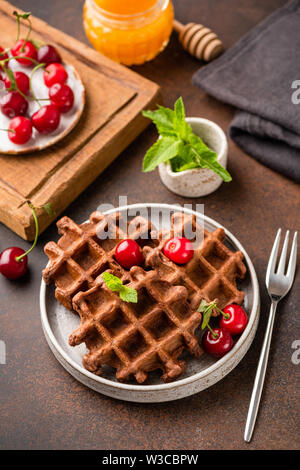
128, 31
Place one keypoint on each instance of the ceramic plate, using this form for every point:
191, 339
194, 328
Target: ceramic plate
201, 373
67, 121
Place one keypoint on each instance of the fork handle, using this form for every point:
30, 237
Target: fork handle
260, 375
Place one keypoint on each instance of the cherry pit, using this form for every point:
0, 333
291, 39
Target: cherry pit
18, 90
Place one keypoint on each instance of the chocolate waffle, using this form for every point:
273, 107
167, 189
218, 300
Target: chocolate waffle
82, 253
212, 272
138, 338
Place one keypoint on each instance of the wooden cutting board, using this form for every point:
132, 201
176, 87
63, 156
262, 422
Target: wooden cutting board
115, 97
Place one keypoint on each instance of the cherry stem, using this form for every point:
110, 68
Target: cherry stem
24, 16
225, 315
18, 258
20, 57
8, 130
18, 23
215, 335
38, 65
13, 85
28, 34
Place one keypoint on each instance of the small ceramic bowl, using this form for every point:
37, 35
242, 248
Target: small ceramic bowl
202, 181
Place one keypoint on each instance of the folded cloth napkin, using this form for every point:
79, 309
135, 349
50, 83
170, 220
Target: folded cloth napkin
260, 76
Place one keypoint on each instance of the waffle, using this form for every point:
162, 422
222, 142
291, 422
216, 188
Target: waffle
212, 272
81, 254
138, 338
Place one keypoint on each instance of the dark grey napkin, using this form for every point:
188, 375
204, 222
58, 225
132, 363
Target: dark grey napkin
256, 76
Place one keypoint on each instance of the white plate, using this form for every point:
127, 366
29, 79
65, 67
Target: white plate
201, 373
67, 121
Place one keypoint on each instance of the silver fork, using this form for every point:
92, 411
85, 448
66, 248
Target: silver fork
278, 284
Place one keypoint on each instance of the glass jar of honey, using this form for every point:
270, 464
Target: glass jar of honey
128, 31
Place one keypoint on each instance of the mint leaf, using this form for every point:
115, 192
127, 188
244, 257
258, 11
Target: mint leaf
178, 144
181, 127
206, 316
185, 160
163, 150
203, 305
127, 294
209, 160
197, 143
188, 166
163, 118
113, 282
206, 309
48, 208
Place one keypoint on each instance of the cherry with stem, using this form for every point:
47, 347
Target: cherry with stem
14, 260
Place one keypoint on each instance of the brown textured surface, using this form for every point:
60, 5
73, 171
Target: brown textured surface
42, 406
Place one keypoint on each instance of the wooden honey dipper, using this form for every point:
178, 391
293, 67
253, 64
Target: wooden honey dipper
199, 41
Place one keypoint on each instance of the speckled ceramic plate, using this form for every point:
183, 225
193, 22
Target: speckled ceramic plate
67, 121
201, 373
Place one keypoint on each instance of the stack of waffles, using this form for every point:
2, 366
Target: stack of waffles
136, 339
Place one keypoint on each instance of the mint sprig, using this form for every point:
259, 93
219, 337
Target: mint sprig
127, 294
206, 309
178, 144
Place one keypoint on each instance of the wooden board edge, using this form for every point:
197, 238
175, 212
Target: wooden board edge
22, 221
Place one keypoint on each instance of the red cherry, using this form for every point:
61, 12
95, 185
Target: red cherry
219, 344
3, 56
22, 130
62, 96
22, 81
24, 49
9, 266
13, 104
55, 73
237, 321
48, 55
46, 119
128, 254
179, 249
